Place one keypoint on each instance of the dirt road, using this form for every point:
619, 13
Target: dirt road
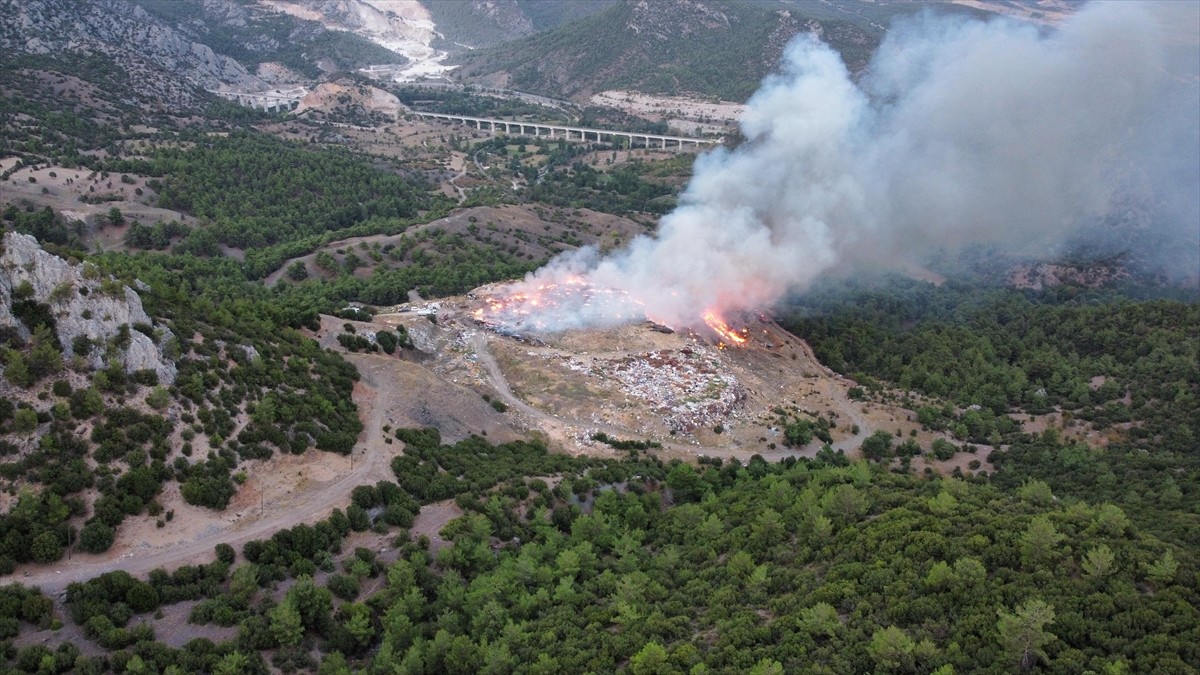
372, 462
845, 407
379, 393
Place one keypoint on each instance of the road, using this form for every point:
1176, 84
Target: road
567, 107
372, 461
462, 171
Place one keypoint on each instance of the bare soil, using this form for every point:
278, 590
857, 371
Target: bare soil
567, 387
432, 519
63, 191
1045, 12
683, 114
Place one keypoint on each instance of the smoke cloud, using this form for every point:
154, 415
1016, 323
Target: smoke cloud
960, 132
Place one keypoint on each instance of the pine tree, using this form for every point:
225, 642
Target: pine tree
1023, 633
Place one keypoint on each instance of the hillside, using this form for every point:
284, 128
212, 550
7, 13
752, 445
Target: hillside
252, 35
344, 390
482, 23
207, 44
154, 60
125, 405
715, 47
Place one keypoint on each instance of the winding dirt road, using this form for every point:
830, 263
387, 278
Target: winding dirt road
371, 462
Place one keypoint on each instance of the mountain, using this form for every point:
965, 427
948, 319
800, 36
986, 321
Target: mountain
715, 47
123, 32
470, 24
162, 52
254, 33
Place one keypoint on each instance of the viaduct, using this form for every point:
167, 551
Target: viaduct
279, 101
568, 133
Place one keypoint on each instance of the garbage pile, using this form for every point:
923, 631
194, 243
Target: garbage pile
685, 387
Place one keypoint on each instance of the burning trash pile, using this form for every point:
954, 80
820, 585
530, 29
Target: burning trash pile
573, 302
525, 307
726, 336
685, 387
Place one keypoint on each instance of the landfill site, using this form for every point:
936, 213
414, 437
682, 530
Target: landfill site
681, 394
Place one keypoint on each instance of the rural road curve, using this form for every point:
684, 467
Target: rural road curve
372, 462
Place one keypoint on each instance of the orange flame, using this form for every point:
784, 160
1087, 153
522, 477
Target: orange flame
722, 329
528, 306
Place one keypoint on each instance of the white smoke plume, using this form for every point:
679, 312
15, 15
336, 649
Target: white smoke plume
960, 132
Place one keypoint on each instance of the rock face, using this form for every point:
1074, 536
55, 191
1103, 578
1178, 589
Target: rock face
118, 29
85, 303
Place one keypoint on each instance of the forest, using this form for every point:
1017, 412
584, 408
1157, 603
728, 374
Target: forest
257, 191
1108, 360
662, 568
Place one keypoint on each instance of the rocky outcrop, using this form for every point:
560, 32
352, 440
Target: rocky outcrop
121, 30
505, 14
86, 304
426, 337
665, 20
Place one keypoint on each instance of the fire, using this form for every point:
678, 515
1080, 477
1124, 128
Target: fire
736, 338
575, 302
553, 306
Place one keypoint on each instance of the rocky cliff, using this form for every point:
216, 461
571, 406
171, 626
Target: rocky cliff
85, 303
117, 29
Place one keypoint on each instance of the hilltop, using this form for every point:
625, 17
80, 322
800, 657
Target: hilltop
714, 47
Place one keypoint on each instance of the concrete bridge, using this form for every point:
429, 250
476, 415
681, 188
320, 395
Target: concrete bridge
569, 133
267, 101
